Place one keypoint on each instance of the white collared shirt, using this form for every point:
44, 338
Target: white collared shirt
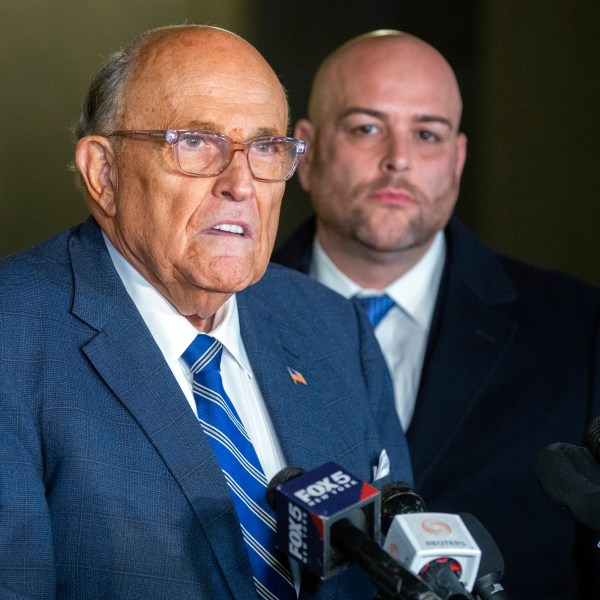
402, 334
173, 333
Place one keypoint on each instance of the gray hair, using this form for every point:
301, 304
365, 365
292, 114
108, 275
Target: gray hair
101, 106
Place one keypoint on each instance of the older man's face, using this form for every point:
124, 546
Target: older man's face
192, 236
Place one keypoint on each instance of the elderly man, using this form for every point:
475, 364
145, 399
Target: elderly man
132, 464
491, 359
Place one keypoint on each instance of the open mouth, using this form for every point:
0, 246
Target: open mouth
230, 228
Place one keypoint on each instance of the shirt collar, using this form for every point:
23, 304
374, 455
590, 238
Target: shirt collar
170, 329
415, 291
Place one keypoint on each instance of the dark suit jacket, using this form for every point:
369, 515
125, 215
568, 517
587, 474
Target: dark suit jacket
108, 487
512, 365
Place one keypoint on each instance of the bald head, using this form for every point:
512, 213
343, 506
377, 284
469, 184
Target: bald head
168, 49
389, 58
175, 58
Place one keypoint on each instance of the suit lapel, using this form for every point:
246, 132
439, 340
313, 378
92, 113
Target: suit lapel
128, 360
470, 333
300, 413
305, 418
270, 357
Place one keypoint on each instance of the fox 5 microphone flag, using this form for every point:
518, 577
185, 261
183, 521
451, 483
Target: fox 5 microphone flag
308, 505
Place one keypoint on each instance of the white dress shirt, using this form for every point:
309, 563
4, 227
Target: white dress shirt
402, 334
174, 333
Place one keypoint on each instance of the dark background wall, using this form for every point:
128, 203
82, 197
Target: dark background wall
529, 73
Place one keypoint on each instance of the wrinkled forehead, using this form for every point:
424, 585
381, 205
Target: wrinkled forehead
203, 77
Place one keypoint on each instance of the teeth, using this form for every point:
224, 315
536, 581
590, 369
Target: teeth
230, 228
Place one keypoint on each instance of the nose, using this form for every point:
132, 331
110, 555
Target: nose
396, 157
236, 181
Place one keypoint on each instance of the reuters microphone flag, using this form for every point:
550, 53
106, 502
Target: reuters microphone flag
296, 376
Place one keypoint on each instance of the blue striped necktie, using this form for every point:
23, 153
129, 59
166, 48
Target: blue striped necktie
376, 307
243, 472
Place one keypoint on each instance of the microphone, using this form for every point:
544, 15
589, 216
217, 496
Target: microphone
592, 438
327, 518
570, 476
436, 546
491, 568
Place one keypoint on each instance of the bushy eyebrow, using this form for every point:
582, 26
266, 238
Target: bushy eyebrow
358, 110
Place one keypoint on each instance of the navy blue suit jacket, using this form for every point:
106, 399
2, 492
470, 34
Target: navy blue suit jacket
108, 487
512, 365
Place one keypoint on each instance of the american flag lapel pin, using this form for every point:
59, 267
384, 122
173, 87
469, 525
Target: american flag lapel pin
296, 376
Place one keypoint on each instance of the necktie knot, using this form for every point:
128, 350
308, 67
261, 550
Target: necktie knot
203, 354
376, 307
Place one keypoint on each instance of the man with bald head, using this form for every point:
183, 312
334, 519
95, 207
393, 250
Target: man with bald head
491, 359
154, 373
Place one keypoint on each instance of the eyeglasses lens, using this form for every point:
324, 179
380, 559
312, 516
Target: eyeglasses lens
206, 154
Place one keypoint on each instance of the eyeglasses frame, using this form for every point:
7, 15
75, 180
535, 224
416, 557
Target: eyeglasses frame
172, 136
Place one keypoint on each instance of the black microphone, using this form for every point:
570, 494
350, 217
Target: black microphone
592, 438
491, 568
436, 546
570, 477
327, 518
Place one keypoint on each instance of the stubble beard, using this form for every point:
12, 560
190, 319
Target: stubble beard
377, 230
396, 228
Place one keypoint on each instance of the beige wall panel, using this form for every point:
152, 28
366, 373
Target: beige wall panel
49, 49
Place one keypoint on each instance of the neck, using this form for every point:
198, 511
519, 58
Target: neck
369, 268
202, 325
200, 310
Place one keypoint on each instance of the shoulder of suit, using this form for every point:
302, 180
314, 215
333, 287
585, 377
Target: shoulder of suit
497, 273
283, 285
39, 264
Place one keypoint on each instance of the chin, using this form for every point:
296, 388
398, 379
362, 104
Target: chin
232, 281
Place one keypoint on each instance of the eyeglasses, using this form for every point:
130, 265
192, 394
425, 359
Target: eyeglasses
207, 154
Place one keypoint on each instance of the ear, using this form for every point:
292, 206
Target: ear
305, 130
461, 154
96, 162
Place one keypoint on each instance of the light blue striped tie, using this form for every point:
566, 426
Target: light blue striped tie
376, 307
243, 472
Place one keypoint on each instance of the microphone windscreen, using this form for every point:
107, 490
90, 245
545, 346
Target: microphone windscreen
570, 477
491, 557
592, 438
398, 498
282, 476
